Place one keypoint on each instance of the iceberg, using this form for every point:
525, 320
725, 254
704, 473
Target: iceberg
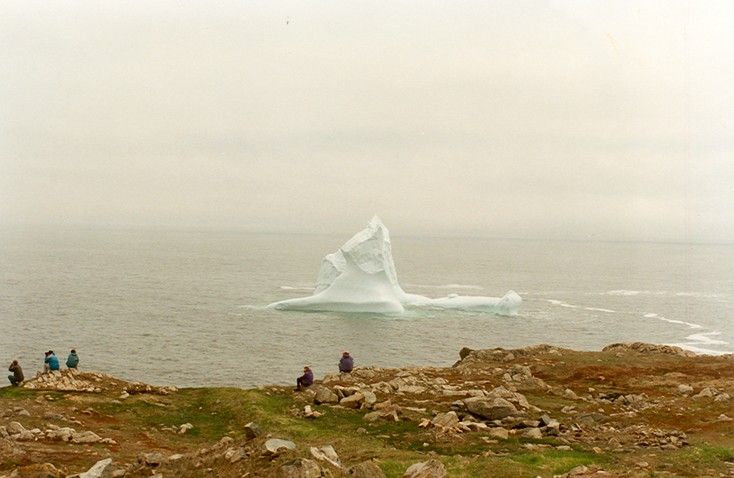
361, 277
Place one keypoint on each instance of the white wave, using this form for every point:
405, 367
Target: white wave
703, 338
682, 322
446, 286
600, 309
672, 321
630, 293
626, 292
698, 295
698, 342
296, 287
701, 350
562, 304
571, 306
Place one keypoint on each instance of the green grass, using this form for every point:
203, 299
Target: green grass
225, 411
557, 461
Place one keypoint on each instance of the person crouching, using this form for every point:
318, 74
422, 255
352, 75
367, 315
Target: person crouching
51, 362
72, 361
17, 377
305, 380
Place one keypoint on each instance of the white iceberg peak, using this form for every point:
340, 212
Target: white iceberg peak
361, 277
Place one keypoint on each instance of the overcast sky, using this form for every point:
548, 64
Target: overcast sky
560, 119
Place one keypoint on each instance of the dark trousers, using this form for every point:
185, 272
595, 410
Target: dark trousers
300, 384
13, 381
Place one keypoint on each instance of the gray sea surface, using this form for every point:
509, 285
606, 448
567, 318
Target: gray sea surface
187, 307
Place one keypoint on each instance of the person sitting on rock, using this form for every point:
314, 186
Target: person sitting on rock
51, 362
73, 360
17, 377
305, 380
346, 363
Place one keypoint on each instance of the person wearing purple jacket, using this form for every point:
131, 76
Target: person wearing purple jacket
305, 380
346, 363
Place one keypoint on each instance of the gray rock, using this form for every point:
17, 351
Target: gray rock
550, 425
25, 435
684, 389
275, 445
324, 395
533, 433
252, 431
86, 437
352, 401
97, 470
369, 398
59, 433
707, 392
184, 428
446, 420
490, 408
327, 454
589, 419
15, 427
568, 393
426, 469
299, 468
499, 433
366, 469
152, 459
234, 454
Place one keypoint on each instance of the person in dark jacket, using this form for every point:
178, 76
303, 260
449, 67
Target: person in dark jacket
17, 377
305, 380
346, 363
72, 361
51, 362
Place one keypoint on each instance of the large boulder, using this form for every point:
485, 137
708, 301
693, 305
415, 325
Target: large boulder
352, 401
490, 408
97, 470
275, 445
426, 469
324, 395
446, 420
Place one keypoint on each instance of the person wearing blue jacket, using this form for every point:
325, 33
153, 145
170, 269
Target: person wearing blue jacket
51, 362
72, 361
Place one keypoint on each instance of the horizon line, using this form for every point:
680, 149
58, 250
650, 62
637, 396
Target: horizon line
244, 229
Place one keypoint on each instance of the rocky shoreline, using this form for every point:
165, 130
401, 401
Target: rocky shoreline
630, 410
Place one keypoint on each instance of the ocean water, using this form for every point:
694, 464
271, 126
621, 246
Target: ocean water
186, 308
